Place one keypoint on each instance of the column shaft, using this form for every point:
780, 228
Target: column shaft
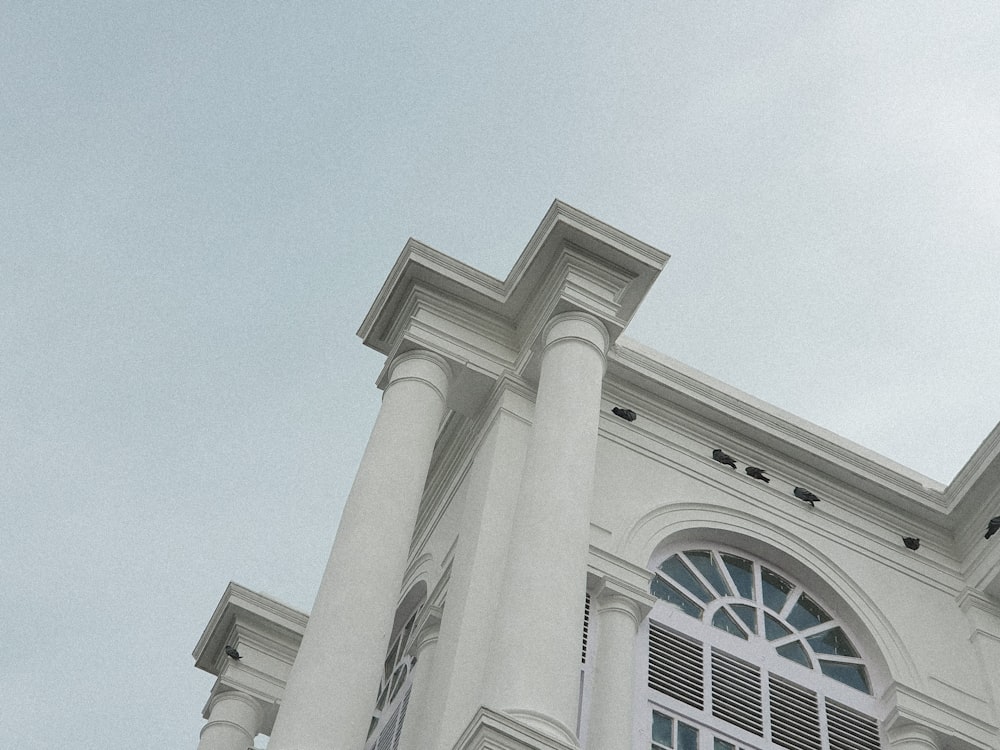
233, 722
538, 647
332, 686
616, 622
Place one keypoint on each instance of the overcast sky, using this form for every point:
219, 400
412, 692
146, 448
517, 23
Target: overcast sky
199, 202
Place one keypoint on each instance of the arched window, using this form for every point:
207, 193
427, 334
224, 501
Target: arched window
397, 674
741, 656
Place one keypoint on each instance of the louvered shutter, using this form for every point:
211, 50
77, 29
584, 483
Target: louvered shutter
388, 738
794, 716
736, 692
849, 729
675, 666
586, 627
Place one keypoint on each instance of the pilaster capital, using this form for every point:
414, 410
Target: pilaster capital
613, 595
428, 630
580, 326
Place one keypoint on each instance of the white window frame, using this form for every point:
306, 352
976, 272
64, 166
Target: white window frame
757, 651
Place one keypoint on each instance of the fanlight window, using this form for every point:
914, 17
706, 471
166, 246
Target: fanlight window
752, 602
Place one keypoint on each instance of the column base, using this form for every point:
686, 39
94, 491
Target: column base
492, 730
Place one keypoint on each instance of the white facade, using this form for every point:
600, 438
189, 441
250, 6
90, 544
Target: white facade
503, 514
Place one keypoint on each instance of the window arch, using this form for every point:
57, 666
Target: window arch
741, 655
397, 674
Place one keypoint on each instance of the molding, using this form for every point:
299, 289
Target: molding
909, 706
253, 612
738, 414
604, 566
492, 730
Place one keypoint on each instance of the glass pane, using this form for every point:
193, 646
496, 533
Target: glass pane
806, 614
705, 563
668, 593
724, 621
795, 652
832, 641
774, 589
774, 629
741, 571
687, 737
663, 730
849, 674
746, 613
677, 570
723, 745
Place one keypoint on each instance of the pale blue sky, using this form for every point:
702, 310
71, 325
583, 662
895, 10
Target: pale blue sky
198, 203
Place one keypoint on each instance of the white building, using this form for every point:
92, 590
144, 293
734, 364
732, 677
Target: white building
518, 566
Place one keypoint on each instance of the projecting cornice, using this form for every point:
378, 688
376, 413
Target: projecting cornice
736, 413
572, 262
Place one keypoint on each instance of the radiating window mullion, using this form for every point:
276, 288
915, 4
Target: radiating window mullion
701, 578
790, 602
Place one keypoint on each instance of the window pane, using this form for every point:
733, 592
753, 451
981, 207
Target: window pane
741, 571
795, 652
806, 613
677, 570
724, 621
663, 730
705, 563
774, 629
668, 593
832, 641
687, 737
723, 745
849, 674
774, 589
746, 613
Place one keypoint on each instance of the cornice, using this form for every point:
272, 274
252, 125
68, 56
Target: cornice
728, 411
268, 619
572, 257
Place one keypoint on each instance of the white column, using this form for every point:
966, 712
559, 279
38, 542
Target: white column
234, 720
537, 656
413, 736
913, 737
616, 618
332, 686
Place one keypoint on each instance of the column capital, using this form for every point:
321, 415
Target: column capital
235, 695
421, 365
912, 736
579, 326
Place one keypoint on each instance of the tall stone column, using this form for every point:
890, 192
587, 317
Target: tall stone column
332, 686
415, 724
617, 612
234, 719
913, 737
537, 674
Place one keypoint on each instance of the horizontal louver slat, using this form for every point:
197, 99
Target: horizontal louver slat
849, 729
675, 666
736, 693
794, 716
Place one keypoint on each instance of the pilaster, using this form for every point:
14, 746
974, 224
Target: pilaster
617, 610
